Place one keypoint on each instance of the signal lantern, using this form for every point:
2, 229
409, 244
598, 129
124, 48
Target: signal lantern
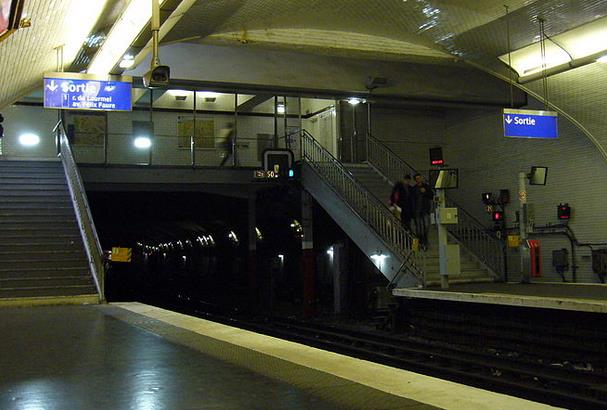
497, 216
563, 212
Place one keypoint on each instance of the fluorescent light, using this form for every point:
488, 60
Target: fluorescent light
581, 43
602, 59
354, 101
179, 93
142, 142
280, 108
127, 61
207, 94
29, 139
130, 24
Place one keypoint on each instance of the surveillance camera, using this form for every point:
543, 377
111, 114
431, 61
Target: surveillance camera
158, 76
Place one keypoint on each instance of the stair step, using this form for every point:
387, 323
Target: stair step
38, 255
29, 164
29, 193
38, 230
37, 238
31, 180
34, 201
12, 188
28, 264
48, 291
43, 272
8, 214
46, 281
36, 246
37, 220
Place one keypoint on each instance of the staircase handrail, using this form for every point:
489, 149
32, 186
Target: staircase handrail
366, 205
470, 232
86, 224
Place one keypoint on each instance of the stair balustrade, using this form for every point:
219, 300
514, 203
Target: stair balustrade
83, 213
370, 209
469, 232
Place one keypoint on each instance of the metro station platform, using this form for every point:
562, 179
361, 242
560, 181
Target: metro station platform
563, 296
134, 356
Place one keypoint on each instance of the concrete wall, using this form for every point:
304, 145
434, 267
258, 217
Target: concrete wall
473, 141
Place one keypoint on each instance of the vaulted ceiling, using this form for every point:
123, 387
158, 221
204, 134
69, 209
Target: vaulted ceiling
436, 31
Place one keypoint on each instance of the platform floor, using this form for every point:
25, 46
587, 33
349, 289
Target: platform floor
563, 296
134, 356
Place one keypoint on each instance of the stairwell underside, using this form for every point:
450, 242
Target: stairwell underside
354, 226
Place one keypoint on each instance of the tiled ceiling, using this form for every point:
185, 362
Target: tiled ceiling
28, 53
473, 30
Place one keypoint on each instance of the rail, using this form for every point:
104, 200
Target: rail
370, 209
83, 212
469, 232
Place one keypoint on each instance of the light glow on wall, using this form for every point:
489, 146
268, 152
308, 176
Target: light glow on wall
142, 142
29, 139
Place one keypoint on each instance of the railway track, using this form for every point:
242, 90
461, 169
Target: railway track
505, 364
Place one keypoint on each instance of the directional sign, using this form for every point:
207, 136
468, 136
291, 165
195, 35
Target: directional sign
530, 124
72, 91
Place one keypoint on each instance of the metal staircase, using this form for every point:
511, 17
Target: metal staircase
471, 270
482, 255
364, 218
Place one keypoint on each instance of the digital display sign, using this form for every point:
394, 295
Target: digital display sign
72, 91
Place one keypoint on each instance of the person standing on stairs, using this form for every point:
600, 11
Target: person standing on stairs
401, 197
422, 196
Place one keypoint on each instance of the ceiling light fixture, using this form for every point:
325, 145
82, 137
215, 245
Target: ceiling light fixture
574, 48
130, 24
127, 61
354, 101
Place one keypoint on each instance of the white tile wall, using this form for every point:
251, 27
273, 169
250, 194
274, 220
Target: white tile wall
473, 141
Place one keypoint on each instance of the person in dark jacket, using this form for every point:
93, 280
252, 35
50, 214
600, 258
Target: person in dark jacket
422, 196
401, 197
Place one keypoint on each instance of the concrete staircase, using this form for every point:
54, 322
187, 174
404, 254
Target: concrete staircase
471, 270
41, 250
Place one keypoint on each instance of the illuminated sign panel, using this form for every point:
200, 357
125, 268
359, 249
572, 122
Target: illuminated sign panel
71, 91
530, 124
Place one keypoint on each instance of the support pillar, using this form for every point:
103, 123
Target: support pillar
307, 255
253, 290
338, 258
522, 222
442, 242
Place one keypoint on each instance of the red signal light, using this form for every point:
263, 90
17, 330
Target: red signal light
438, 162
497, 216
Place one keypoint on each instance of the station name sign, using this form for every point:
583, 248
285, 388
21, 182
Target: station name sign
73, 91
530, 124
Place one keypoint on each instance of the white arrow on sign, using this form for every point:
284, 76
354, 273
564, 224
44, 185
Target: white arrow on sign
508, 119
52, 86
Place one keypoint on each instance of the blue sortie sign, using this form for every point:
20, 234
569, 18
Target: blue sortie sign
83, 94
530, 124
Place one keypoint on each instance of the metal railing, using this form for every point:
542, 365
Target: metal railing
83, 213
370, 209
469, 232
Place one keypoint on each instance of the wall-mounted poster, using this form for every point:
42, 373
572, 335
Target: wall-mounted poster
205, 132
89, 129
